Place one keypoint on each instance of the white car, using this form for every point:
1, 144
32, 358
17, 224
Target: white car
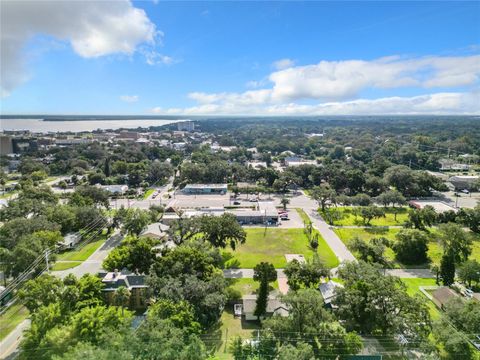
468, 293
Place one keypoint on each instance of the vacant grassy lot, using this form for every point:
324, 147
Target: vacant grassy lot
11, 318
435, 250
271, 244
349, 219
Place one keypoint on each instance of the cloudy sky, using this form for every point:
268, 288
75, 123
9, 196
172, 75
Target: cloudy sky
269, 58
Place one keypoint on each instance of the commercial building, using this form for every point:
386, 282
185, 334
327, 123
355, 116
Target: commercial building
186, 126
202, 189
115, 189
265, 214
6, 145
465, 182
439, 206
452, 165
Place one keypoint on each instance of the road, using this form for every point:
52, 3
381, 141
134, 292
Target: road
9, 345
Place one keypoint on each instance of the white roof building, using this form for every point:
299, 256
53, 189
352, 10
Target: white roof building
328, 290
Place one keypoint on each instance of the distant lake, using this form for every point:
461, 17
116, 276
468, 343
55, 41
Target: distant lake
40, 126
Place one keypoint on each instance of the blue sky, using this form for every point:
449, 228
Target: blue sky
241, 58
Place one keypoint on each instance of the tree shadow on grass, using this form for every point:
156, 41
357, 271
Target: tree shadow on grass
229, 261
378, 230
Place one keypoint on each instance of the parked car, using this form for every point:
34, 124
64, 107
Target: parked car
468, 293
236, 203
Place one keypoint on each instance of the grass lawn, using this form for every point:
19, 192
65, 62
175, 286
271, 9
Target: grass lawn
218, 339
83, 252
413, 288
271, 244
11, 318
303, 215
58, 266
349, 219
148, 193
435, 250
248, 286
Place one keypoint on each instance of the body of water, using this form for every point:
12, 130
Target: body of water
40, 126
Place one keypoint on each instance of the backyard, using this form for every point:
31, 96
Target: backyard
413, 288
271, 245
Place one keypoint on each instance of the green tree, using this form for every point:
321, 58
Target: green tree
308, 319
180, 313
371, 302
392, 197
368, 213
136, 221
41, 291
455, 241
285, 201
372, 251
264, 273
222, 230
447, 268
305, 274
411, 246
470, 218
469, 272
133, 254
323, 194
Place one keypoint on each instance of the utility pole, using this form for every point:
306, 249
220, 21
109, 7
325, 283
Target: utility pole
46, 260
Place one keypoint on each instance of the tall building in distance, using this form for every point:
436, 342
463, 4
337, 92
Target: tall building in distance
186, 126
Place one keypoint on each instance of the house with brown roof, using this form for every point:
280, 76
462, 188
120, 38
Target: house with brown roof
442, 296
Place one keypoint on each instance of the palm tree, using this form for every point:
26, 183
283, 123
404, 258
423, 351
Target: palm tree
122, 297
285, 201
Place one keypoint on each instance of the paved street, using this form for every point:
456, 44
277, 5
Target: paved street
411, 273
9, 345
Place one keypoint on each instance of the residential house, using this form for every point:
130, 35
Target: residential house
274, 307
135, 283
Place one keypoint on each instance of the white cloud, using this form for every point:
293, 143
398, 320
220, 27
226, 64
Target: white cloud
129, 98
334, 80
439, 103
93, 29
283, 64
154, 58
332, 83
